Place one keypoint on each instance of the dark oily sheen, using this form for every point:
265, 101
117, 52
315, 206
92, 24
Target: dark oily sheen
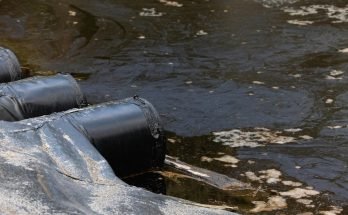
10, 69
39, 96
53, 168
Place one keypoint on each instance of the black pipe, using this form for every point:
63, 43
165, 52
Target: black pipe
127, 133
10, 69
39, 96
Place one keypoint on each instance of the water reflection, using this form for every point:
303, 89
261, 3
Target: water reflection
210, 66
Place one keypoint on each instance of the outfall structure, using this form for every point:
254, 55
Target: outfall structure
69, 161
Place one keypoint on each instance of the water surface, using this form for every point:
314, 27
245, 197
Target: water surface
211, 66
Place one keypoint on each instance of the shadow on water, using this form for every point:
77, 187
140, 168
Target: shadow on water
252, 89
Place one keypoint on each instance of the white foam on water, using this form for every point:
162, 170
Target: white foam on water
304, 201
227, 159
273, 203
335, 126
306, 213
72, 13
300, 22
201, 33
334, 210
336, 73
306, 137
343, 50
272, 176
293, 130
171, 3
258, 82
337, 14
171, 140
299, 193
302, 11
151, 12
292, 183
206, 159
256, 138
329, 101
252, 176
275, 3
329, 77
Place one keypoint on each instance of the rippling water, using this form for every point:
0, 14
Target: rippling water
222, 73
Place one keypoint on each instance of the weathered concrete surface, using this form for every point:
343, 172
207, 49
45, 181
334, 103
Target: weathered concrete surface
48, 166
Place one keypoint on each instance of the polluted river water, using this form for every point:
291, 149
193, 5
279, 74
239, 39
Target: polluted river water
255, 90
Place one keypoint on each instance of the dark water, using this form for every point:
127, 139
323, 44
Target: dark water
209, 66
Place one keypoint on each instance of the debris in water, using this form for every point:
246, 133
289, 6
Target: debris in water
188, 82
299, 193
141, 37
214, 179
150, 12
273, 203
173, 175
218, 207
